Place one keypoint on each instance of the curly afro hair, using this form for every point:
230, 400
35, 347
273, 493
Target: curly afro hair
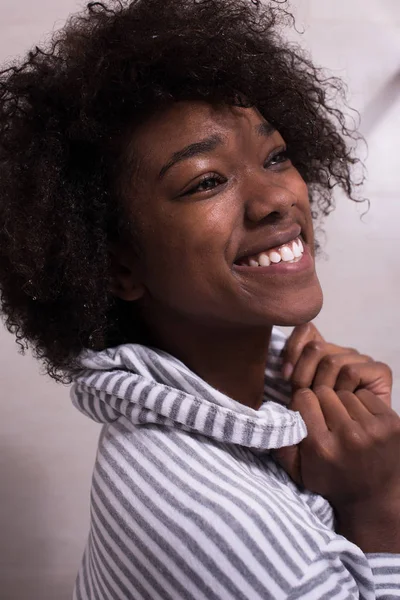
64, 110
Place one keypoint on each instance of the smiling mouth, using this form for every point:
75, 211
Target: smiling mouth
291, 252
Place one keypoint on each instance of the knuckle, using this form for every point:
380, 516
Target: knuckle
357, 440
375, 432
330, 360
385, 369
367, 358
314, 347
351, 351
349, 371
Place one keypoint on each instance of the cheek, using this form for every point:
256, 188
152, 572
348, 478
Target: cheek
187, 244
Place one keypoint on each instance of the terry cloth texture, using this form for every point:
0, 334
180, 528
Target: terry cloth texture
187, 502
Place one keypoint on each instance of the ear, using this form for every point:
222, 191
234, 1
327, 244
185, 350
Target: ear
125, 276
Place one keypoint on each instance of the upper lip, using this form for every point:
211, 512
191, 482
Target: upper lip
274, 240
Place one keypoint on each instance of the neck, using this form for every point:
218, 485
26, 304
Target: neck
231, 360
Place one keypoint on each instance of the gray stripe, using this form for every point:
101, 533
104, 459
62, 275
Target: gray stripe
281, 438
387, 569
105, 556
210, 419
229, 519
104, 381
93, 580
183, 535
195, 382
175, 407
137, 542
102, 411
130, 389
262, 497
154, 535
192, 414
196, 472
248, 432
137, 366
159, 400
104, 585
78, 589
117, 385
142, 417
229, 426
224, 477
86, 577
326, 579
138, 587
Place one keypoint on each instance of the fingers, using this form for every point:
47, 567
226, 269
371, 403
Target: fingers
342, 369
307, 363
355, 408
320, 363
373, 404
331, 366
324, 409
307, 403
375, 377
300, 336
333, 410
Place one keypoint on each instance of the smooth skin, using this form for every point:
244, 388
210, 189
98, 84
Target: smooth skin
238, 191
311, 362
209, 184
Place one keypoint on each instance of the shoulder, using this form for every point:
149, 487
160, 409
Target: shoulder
179, 513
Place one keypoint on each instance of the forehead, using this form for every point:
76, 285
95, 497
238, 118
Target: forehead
183, 123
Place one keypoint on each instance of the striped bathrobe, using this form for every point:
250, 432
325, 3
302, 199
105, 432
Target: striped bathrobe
187, 502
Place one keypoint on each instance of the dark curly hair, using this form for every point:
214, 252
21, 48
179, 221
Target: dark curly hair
65, 111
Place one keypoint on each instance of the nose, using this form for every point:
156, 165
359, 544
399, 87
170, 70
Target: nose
268, 201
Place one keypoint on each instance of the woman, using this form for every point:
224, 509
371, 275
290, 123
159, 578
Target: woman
160, 166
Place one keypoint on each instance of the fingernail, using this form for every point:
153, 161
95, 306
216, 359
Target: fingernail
287, 371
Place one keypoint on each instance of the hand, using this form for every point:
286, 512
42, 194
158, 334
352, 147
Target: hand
351, 455
311, 362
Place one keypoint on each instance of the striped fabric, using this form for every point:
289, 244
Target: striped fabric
187, 502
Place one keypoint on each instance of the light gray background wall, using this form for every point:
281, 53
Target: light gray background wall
47, 449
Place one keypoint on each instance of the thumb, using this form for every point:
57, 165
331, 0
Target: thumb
289, 459
298, 339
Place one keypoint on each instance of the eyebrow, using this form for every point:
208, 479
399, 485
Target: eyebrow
208, 145
203, 147
265, 129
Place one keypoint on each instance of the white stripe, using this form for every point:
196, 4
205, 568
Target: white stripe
196, 532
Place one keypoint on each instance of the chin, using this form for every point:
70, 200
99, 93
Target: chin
301, 312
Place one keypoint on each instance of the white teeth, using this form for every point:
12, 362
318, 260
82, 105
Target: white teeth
286, 253
296, 250
264, 260
253, 262
291, 252
274, 257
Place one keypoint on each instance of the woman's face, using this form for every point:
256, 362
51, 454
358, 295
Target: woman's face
214, 195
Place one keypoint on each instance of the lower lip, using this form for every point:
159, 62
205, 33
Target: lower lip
306, 263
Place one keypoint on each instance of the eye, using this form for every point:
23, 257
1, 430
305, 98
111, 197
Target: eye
277, 158
207, 183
